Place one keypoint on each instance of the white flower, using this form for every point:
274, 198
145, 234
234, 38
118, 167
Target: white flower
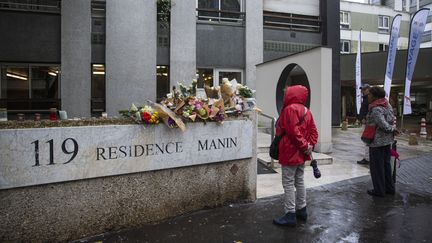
133, 108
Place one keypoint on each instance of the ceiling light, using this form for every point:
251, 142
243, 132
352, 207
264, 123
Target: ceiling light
16, 76
52, 74
99, 73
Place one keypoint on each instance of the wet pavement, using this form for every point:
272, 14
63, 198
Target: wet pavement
338, 212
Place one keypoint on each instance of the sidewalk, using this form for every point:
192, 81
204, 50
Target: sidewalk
338, 211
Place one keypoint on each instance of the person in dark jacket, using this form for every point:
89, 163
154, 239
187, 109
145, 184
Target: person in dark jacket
362, 117
381, 116
299, 137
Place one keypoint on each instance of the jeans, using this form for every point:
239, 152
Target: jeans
293, 177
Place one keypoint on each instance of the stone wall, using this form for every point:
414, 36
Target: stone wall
70, 210
66, 211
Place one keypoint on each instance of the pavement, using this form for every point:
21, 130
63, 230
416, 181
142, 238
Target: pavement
338, 206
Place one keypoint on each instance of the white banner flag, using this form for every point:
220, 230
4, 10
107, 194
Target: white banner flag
391, 53
417, 27
358, 75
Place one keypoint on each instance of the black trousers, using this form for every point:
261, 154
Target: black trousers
380, 169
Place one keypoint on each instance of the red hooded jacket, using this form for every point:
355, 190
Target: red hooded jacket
297, 137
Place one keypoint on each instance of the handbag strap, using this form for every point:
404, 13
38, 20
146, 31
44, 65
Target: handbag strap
303, 117
298, 123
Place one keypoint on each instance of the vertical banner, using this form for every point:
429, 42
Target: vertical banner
391, 53
417, 27
358, 75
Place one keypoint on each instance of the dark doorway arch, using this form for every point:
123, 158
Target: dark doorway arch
293, 74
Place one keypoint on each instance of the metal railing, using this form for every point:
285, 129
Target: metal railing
52, 6
221, 16
290, 21
272, 133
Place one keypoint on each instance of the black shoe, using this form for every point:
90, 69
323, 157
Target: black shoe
363, 162
391, 192
302, 214
289, 219
374, 193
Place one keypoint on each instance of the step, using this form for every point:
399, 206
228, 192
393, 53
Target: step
263, 142
322, 159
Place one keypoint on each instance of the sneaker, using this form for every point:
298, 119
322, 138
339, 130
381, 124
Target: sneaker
363, 162
289, 219
302, 214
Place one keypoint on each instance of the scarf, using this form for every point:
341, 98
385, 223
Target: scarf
379, 102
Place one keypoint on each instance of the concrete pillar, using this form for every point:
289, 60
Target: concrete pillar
254, 40
76, 57
130, 53
329, 12
182, 41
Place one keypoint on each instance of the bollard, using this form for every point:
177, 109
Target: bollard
345, 125
423, 132
413, 139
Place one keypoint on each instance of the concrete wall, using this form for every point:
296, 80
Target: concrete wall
70, 210
76, 57
288, 42
29, 37
66, 211
254, 40
183, 41
220, 46
317, 64
130, 54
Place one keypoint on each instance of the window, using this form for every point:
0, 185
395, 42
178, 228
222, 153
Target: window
344, 20
204, 77
162, 82
345, 46
383, 23
30, 87
98, 89
98, 22
229, 74
221, 10
383, 47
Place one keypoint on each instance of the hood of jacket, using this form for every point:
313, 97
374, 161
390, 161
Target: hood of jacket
296, 94
379, 102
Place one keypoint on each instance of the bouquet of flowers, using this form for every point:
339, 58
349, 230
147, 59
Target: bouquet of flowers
149, 115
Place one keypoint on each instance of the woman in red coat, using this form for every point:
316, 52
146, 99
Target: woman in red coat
299, 137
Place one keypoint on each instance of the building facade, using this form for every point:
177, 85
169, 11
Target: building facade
375, 22
90, 56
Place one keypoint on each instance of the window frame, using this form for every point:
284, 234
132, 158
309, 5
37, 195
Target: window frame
384, 47
342, 51
342, 24
384, 28
216, 72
